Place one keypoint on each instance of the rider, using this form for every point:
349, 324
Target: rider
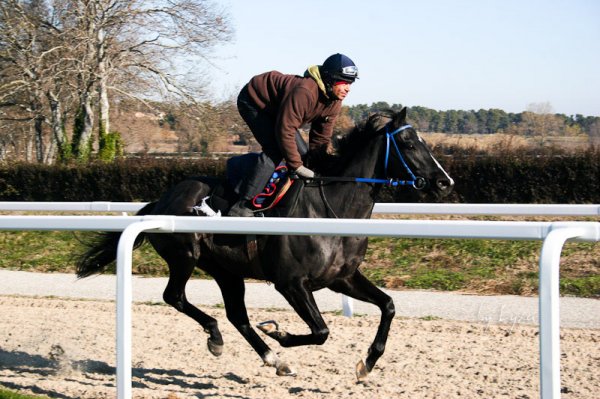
275, 106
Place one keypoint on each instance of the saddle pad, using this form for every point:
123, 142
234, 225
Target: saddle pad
274, 191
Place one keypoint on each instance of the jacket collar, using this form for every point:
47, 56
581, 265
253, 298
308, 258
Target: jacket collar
313, 72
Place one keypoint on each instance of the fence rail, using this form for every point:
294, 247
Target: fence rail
553, 234
380, 208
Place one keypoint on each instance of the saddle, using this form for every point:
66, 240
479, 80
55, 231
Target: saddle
278, 198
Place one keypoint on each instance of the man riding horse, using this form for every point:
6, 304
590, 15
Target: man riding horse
275, 106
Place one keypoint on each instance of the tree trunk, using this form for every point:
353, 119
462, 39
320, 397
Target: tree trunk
58, 130
104, 122
84, 124
39, 139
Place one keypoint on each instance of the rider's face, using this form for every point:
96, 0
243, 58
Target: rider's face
340, 90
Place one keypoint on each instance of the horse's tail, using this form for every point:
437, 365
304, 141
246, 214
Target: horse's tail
102, 250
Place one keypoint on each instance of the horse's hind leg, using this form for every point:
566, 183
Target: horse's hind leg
305, 306
180, 270
357, 286
233, 290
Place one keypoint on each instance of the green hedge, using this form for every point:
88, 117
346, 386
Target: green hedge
510, 178
125, 180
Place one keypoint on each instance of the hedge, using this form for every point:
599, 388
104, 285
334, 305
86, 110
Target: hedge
510, 178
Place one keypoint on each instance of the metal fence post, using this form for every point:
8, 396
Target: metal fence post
125, 299
549, 315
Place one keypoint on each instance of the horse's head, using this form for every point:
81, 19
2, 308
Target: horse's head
407, 159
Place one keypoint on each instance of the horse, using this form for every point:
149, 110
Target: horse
383, 150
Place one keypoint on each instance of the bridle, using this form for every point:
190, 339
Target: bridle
416, 182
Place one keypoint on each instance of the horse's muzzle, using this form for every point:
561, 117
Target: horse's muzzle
445, 184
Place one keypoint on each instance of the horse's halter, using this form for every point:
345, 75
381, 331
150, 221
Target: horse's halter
417, 182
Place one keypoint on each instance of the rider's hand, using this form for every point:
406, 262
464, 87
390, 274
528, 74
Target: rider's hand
303, 171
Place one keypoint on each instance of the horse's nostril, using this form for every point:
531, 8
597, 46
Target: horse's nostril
445, 184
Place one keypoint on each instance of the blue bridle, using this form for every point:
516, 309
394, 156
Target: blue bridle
416, 182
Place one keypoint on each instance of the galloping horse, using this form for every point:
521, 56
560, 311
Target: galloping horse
383, 150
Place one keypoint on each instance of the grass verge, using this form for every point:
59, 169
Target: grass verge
480, 266
8, 394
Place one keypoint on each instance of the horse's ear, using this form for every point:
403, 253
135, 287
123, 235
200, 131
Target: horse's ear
400, 118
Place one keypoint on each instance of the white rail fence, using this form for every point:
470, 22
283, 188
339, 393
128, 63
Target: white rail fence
380, 208
553, 235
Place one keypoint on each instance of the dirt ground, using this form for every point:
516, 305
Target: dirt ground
66, 349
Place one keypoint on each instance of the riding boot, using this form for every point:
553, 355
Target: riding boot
252, 185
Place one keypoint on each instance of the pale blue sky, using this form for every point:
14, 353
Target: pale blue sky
440, 54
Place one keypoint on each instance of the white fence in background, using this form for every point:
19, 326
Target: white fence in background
553, 234
380, 208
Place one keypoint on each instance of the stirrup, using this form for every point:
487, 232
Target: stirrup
241, 209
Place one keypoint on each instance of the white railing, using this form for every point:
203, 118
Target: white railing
553, 234
380, 208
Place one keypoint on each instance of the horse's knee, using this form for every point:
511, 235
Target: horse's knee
321, 336
174, 300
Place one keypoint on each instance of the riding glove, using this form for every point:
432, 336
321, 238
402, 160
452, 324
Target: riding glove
303, 171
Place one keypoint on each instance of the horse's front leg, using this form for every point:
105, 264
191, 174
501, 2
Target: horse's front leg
357, 286
233, 289
304, 304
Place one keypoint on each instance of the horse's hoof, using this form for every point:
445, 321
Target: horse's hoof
268, 327
361, 371
283, 370
215, 349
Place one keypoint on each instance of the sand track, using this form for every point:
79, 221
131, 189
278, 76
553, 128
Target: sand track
66, 349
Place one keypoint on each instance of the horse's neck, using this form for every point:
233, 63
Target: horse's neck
365, 161
348, 199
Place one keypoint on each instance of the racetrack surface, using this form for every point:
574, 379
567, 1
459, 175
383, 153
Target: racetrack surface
65, 347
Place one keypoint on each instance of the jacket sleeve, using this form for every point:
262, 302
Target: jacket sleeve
291, 116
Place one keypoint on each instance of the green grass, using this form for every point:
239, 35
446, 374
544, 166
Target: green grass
486, 266
8, 394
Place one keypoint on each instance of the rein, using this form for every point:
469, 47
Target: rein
417, 182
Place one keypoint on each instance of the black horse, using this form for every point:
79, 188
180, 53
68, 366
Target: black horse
383, 150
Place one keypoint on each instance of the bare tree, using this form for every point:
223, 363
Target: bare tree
140, 46
22, 54
70, 58
540, 121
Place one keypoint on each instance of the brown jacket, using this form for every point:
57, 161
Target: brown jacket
294, 101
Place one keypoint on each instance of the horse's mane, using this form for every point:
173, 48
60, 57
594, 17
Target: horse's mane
328, 160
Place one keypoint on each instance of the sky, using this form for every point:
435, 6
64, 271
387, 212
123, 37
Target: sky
440, 54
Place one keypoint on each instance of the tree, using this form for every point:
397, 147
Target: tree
133, 48
344, 123
594, 133
450, 121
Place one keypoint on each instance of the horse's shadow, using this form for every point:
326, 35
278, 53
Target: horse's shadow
38, 365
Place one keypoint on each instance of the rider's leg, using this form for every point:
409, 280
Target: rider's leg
253, 184
262, 126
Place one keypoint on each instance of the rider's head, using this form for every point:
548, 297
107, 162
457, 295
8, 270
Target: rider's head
338, 70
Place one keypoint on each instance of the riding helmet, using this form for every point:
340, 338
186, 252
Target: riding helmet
339, 67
